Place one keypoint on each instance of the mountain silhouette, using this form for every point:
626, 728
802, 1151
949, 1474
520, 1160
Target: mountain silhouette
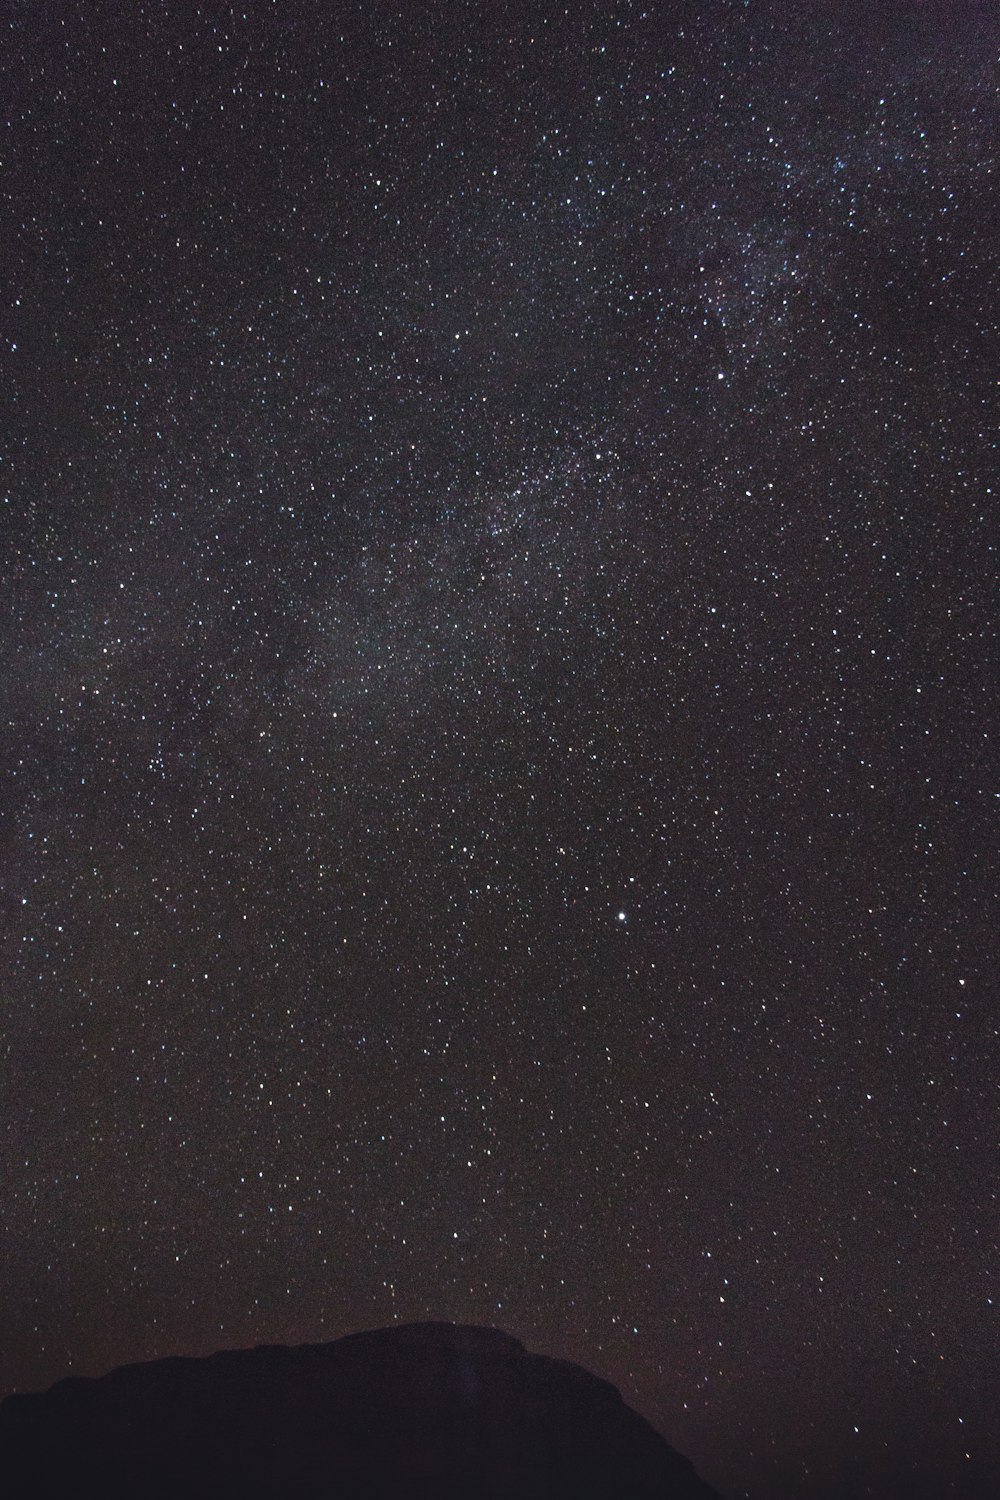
428, 1411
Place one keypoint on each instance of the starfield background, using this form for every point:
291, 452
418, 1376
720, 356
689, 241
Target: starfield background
497, 531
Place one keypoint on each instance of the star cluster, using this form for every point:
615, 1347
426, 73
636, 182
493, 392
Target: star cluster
498, 536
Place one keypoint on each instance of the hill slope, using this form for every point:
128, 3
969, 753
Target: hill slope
435, 1410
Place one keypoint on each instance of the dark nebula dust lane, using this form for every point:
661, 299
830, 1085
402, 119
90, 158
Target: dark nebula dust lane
498, 551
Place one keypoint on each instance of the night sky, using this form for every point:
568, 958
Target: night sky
497, 535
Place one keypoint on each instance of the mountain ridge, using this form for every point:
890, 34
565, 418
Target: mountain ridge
442, 1410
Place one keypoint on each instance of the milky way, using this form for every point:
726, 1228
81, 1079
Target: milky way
498, 539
